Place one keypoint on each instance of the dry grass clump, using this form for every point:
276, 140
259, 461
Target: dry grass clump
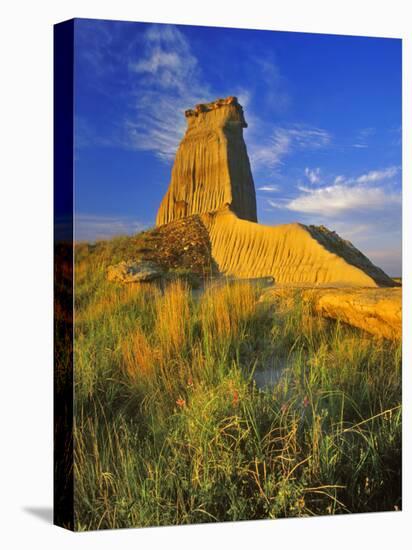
173, 318
139, 357
225, 310
187, 337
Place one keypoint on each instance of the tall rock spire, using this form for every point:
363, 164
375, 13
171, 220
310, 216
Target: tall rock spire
211, 171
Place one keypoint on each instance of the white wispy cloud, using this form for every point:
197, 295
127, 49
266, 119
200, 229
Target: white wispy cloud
171, 82
270, 154
269, 188
156, 77
160, 60
274, 94
362, 138
335, 199
167, 61
279, 203
373, 176
91, 227
283, 141
313, 175
378, 175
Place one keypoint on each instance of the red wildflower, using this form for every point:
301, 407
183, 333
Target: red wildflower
235, 399
180, 402
306, 401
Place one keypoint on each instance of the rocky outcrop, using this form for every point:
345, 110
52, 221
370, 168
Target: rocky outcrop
377, 311
212, 168
133, 272
292, 253
183, 244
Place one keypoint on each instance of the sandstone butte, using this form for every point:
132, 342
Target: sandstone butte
211, 177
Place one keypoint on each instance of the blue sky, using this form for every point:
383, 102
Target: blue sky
324, 116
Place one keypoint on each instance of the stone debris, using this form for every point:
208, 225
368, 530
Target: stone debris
134, 272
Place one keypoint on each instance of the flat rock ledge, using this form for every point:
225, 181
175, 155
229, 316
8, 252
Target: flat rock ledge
134, 272
375, 310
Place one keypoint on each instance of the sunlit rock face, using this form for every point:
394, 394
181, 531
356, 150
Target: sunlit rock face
211, 169
374, 310
294, 253
211, 177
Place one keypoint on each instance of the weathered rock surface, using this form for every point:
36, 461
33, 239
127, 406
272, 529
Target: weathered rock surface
211, 177
133, 272
182, 244
377, 311
292, 253
212, 167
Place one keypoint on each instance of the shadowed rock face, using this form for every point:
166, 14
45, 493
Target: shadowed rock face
212, 168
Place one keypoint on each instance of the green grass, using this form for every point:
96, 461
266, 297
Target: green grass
170, 427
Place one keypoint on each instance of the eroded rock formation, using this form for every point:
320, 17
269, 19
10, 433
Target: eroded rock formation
211, 177
290, 253
212, 167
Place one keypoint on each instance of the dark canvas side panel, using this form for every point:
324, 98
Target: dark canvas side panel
63, 274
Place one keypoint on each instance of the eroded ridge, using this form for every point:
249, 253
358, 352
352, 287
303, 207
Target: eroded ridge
289, 253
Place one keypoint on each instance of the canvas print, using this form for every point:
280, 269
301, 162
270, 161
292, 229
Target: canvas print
228, 301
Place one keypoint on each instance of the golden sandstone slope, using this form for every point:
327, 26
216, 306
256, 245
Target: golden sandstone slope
291, 253
211, 176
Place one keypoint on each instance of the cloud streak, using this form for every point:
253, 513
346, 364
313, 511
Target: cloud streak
337, 199
373, 176
284, 141
170, 82
362, 139
167, 61
378, 175
269, 188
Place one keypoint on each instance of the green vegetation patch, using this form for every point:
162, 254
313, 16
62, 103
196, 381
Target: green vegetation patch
171, 427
